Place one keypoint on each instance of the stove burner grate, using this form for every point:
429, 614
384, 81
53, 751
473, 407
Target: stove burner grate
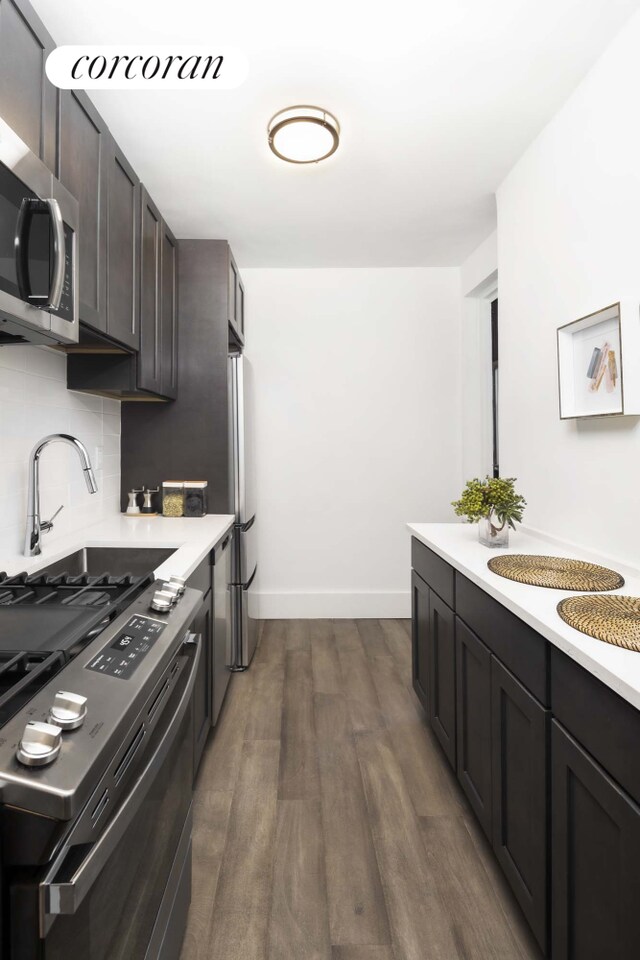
21, 674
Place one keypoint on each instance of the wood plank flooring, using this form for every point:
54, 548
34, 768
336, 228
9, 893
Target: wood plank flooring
327, 823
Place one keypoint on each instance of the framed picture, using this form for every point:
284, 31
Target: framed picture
598, 360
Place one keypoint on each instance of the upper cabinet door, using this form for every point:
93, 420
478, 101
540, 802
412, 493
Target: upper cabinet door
235, 299
82, 168
240, 308
28, 101
149, 364
123, 249
169, 314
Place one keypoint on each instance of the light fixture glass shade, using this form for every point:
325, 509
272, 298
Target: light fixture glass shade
303, 134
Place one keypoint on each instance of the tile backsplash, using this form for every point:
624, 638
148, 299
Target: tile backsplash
34, 401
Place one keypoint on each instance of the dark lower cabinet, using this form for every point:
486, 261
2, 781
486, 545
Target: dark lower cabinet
442, 675
420, 638
596, 859
473, 722
202, 709
28, 100
519, 745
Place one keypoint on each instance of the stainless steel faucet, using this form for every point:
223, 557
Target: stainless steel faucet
36, 527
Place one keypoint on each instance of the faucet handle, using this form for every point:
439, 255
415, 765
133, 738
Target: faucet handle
47, 525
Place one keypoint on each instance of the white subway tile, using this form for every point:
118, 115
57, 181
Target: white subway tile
45, 362
34, 402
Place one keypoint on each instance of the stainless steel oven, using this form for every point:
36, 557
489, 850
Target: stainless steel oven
118, 885
38, 249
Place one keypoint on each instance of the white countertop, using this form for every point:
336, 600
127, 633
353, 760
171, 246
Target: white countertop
457, 543
192, 538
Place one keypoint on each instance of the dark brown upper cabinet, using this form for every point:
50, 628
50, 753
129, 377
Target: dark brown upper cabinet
94, 169
28, 101
158, 358
123, 229
82, 168
149, 361
169, 313
235, 300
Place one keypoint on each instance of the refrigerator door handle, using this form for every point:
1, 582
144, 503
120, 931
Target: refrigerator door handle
247, 526
246, 585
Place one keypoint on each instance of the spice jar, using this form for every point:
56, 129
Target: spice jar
195, 498
173, 498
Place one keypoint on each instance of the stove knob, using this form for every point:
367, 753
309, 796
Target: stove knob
40, 744
173, 590
68, 711
161, 602
178, 584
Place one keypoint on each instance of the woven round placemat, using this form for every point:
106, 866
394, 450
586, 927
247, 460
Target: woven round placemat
613, 619
557, 573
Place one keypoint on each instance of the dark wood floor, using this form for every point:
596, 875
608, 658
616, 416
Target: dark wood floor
327, 823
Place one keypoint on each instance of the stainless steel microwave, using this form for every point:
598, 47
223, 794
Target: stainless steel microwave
38, 249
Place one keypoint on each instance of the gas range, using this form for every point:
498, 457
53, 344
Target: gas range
97, 684
46, 620
64, 627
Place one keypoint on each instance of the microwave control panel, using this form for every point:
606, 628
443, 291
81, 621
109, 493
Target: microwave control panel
121, 657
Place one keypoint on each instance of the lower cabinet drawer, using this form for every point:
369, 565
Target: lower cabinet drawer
607, 726
523, 651
519, 747
596, 859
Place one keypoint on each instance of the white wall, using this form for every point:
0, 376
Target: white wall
357, 431
34, 401
569, 243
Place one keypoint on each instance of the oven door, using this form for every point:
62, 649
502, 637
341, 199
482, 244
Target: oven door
38, 240
126, 896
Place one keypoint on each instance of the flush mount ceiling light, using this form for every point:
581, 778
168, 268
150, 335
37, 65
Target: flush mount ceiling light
303, 134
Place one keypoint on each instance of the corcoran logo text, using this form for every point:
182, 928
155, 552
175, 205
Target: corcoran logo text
127, 67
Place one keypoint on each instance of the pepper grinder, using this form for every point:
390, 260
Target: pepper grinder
147, 507
133, 509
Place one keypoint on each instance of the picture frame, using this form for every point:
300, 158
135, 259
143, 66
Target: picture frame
598, 363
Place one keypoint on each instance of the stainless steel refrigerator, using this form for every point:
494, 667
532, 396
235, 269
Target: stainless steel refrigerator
243, 559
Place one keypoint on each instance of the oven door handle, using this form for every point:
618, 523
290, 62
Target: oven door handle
28, 208
65, 897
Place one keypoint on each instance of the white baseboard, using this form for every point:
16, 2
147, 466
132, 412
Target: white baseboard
314, 606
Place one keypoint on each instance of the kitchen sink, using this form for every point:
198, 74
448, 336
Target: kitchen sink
113, 560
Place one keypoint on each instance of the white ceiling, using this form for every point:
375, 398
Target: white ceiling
436, 98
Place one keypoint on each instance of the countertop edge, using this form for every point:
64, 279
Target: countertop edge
610, 677
190, 538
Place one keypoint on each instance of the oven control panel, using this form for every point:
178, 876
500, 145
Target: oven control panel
121, 657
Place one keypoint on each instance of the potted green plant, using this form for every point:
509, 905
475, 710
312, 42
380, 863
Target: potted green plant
494, 505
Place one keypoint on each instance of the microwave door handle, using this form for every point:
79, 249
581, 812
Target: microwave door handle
21, 248
65, 897
28, 207
59, 254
